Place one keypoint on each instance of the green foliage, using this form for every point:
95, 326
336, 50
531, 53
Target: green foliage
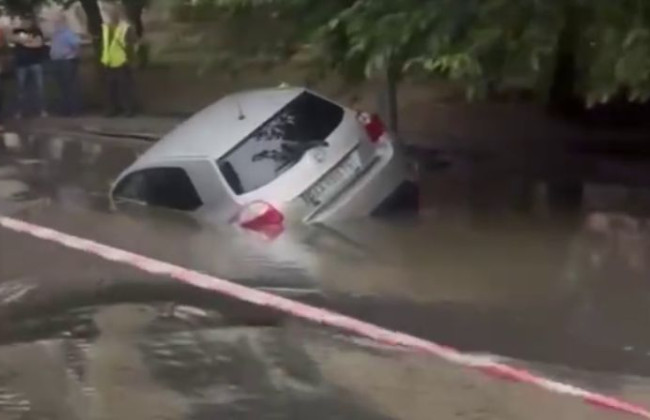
615, 50
483, 44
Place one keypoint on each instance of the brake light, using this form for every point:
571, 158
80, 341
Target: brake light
261, 217
373, 125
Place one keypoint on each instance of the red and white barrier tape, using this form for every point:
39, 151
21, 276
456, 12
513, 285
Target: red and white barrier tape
321, 316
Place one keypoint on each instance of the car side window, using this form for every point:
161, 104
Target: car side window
168, 187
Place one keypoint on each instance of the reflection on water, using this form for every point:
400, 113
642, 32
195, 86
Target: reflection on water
162, 361
149, 362
527, 267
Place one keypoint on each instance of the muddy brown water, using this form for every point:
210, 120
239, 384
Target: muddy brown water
548, 274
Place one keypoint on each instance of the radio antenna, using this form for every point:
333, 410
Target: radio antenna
241, 115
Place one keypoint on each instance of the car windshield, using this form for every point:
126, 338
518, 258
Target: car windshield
279, 143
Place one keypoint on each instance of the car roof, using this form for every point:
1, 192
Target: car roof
218, 128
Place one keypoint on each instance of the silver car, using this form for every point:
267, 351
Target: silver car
273, 156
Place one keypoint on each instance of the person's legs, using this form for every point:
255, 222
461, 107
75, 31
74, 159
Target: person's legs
39, 87
65, 74
21, 90
112, 86
2, 104
74, 87
58, 71
127, 94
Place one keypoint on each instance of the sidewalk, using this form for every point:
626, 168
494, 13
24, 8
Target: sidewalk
142, 128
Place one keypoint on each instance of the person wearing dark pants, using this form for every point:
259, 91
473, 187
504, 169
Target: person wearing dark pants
3, 73
64, 55
65, 73
2, 110
121, 87
118, 41
29, 55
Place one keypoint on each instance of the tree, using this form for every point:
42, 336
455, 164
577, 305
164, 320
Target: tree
134, 9
595, 49
93, 21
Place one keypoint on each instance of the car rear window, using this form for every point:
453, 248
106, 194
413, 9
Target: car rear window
279, 143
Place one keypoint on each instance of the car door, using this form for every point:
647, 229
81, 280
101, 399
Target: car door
189, 185
168, 186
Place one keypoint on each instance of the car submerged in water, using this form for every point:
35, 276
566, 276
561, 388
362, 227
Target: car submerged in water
270, 157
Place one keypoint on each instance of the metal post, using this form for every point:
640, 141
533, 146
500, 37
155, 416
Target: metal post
387, 101
391, 91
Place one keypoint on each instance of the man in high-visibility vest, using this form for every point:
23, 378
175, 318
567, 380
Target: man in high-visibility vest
118, 40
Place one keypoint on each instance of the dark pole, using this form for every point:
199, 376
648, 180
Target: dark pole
94, 23
392, 78
387, 98
562, 93
134, 10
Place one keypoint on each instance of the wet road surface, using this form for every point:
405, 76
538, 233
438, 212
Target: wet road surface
565, 292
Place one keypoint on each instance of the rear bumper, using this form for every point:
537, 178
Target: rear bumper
386, 181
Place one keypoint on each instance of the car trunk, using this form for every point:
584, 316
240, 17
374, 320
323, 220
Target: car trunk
310, 149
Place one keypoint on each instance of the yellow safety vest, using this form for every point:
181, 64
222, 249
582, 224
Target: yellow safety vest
114, 50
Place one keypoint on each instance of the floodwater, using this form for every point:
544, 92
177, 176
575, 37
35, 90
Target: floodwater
549, 272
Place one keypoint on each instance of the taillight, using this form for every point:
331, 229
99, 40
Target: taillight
261, 217
373, 124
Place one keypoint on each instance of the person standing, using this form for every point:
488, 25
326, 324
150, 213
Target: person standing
4, 69
29, 55
118, 42
64, 55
